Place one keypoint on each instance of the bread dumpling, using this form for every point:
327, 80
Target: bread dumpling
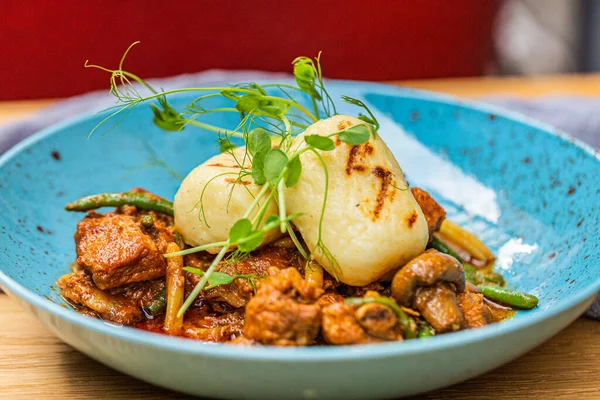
222, 205
372, 223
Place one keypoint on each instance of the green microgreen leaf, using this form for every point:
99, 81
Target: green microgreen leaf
167, 118
258, 145
320, 142
274, 108
271, 222
219, 278
275, 162
193, 270
355, 135
247, 104
225, 145
304, 72
251, 242
216, 278
294, 172
258, 141
240, 230
258, 170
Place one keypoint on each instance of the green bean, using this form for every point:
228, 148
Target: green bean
406, 323
147, 221
143, 201
443, 248
509, 297
158, 304
425, 330
477, 277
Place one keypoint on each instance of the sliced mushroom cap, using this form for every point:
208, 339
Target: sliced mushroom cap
428, 269
439, 306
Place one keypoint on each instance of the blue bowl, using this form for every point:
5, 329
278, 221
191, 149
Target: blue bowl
531, 193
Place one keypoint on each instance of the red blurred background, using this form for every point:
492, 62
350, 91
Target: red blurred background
45, 44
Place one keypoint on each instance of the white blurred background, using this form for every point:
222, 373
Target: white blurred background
547, 37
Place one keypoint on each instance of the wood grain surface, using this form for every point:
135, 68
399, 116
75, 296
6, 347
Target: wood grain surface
36, 365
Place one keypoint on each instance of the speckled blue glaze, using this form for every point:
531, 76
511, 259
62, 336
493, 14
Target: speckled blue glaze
531, 193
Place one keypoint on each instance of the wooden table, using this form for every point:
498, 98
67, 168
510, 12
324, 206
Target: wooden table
34, 364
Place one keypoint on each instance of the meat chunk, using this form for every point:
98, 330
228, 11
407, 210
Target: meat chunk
141, 293
434, 213
330, 298
340, 327
476, 312
284, 311
79, 288
203, 323
265, 262
116, 250
439, 306
344, 324
213, 328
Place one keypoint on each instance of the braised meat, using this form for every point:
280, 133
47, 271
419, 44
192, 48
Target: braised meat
344, 324
213, 327
340, 327
284, 311
141, 293
330, 298
476, 312
270, 296
116, 250
79, 288
434, 213
268, 261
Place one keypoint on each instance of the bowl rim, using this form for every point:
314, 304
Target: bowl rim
310, 354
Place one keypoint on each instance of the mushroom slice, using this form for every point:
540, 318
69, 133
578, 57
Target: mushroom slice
428, 269
439, 306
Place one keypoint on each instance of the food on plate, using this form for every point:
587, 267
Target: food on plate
212, 197
303, 231
373, 223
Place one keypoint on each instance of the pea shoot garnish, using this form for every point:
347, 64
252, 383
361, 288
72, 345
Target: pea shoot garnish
270, 116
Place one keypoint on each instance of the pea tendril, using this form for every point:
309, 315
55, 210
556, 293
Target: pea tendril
270, 115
